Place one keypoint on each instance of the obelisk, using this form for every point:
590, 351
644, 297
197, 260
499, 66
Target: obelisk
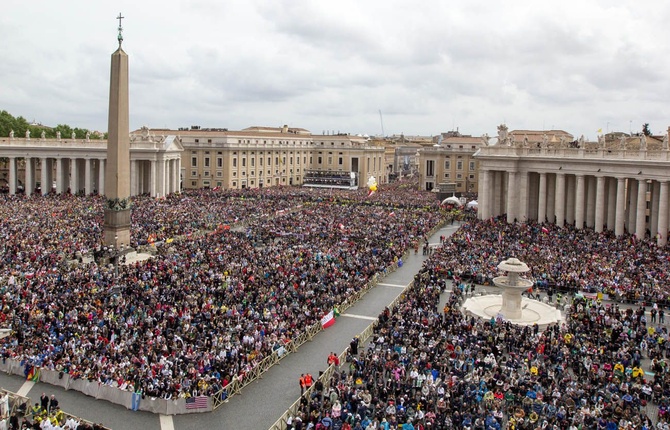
117, 173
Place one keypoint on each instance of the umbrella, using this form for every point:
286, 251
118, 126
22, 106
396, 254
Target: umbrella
472, 204
453, 200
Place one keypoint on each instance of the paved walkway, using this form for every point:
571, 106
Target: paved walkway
261, 403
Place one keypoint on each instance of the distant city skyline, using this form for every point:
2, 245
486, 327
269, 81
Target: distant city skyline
348, 67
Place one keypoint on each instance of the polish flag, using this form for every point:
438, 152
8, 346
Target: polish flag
328, 320
545, 230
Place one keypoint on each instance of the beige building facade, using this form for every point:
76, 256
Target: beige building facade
259, 157
450, 159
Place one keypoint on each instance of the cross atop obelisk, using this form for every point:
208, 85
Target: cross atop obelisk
120, 36
117, 170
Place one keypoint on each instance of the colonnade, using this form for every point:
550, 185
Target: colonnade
156, 178
87, 175
636, 205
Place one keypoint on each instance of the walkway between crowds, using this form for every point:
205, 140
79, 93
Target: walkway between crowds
262, 402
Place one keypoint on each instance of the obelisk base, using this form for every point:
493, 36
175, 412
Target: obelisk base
117, 227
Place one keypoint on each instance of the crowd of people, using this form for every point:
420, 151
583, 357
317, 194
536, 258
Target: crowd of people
564, 259
206, 308
605, 367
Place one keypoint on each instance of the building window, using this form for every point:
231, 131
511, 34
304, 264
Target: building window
206, 161
209, 140
206, 173
197, 141
218, 183
234, 162
194, 183
446, 175
219, 174
318, 160
472, 176
447, 164
472, 166
253, 162
430, 168
194, 173
219, 162
340, 161
459, 165
459, 176
194, 161
234, 173
244, 162
234, 184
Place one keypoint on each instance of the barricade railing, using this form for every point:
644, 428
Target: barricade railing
21, 405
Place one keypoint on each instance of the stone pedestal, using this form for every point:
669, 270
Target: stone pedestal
117, 227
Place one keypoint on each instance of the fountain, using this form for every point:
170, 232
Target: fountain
511, 305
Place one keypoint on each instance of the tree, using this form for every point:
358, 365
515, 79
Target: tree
645, 129
20, 125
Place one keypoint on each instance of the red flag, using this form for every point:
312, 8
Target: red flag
545, 230
328, 320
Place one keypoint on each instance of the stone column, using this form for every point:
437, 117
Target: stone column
511, 197
590, 201
74, 178
12, 175
29, 179
653, 215
153, 178
175, 177
579, 203
542, 199
496, 193
632, 205
611, 203
44, 177
133, 177
179, 174
101, 176
481, 186
88, 184
560, 199
522, 209
663, 215
600, 204
60, 175
570, 199
641, 217
620, 206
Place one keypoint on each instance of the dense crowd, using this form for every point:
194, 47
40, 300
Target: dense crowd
207, 308
426, 368
564, 259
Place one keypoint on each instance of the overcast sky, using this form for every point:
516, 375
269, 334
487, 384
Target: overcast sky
429, 66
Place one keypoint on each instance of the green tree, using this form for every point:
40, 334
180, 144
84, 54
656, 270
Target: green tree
645, 129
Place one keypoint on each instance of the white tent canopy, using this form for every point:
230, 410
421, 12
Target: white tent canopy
453, 200
472, 204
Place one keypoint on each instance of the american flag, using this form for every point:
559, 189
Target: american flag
197, 402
